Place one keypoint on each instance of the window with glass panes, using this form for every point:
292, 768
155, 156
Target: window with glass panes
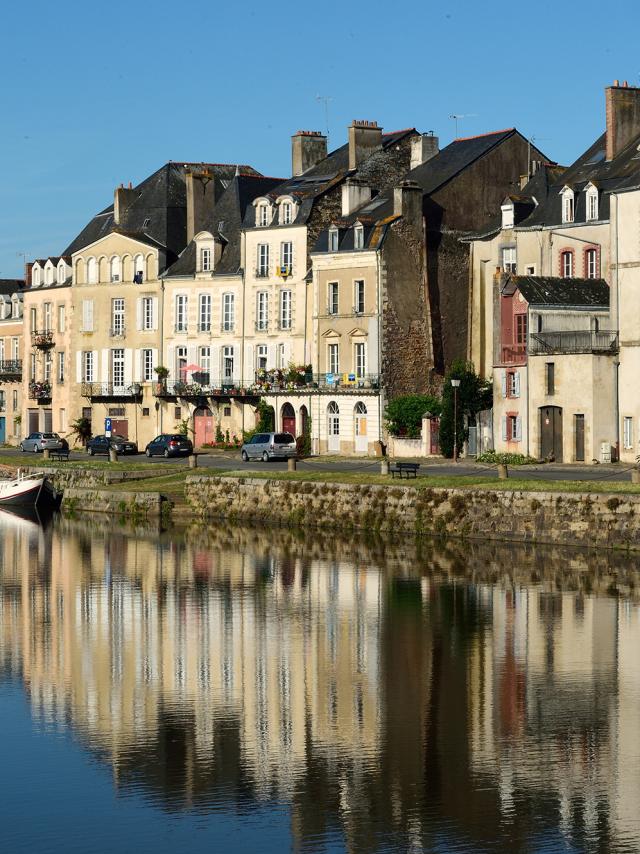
48, 364
15, 348
117, 367
262, 310
147, 313
333, 362
591, 258
87, 366
566, 264
285, 309
61, 366
521, 328
286, 256
147, 365
359, 354
48, 316
358, 296
204, 313
228, 312
205, 260
227, 365
204, 363
181, 313
117, 316
286, 213
509, 260
263, 259
333, 295
261, 357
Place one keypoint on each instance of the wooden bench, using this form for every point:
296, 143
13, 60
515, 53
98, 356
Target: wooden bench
404, 470
59, 455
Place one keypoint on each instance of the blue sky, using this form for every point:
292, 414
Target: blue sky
95, 94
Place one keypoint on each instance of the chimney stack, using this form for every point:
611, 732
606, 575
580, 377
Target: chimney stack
423, 148
201, 199
308, 148
364, 138
407, 203
355, 193
122, 199
623, 116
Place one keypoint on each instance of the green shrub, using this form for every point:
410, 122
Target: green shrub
403, 415
473, 395
493, 458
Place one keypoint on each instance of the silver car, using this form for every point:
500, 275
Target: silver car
269, 446
38, 442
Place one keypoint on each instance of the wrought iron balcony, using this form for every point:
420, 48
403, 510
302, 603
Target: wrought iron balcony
11, 369
262, 273
279, 382
117, 332
578, 341
110, 391
201, 386
40, 391
43, 339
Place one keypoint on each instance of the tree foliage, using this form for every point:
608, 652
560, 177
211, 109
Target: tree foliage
474, 395
403, 415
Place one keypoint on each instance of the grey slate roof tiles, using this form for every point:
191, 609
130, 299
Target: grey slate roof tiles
555, 291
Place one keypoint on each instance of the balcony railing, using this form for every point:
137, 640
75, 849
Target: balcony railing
42, 339
39, 391
11, 369
262, 273
579, 341
514, 354
117, 332
206, 388
132, 391
277, 382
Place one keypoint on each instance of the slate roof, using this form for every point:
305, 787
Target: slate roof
10, 286
430, 177
225, 220
158, 214
553, 291
323, 176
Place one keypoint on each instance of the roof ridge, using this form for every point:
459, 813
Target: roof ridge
480, 135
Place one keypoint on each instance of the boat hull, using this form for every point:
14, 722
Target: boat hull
28, 492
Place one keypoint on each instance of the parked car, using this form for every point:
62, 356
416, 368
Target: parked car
269, 446
37, 442
101, 445
169, 445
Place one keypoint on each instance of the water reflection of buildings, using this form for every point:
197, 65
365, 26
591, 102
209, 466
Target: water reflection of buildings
382, 692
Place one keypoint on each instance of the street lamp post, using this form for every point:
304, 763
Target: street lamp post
455, 384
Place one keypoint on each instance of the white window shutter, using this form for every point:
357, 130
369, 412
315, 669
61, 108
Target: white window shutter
104, 366
504, 383
287, 353
516, 384
518, 436
78, 367
272, 352
128, 366
139, 314
137, 366
154, 322
504, 428
154, 358
216, 368
249, 366
95, 378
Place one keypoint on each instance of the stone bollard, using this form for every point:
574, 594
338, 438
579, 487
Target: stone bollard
635, 475
503, 472
113, 455
193, 461
292, 464
384, 467
46, 454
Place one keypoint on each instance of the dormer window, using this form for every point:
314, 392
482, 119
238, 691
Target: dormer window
48, 276
507, 215
333, 240
592, 203
567, 205
286, 213
36, 277
114, 269
263, 215
62, 275
358, 237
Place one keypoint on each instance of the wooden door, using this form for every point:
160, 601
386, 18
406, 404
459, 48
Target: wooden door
204, 429
551, 433
120, 426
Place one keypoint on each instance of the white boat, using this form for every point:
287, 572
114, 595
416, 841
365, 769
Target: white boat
27, 490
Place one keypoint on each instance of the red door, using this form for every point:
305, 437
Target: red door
120, 426
204, 430
289, 424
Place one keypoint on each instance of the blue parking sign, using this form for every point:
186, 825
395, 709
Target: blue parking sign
107, 427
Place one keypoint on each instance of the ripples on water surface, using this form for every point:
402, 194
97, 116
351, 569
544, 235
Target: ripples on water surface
253, 690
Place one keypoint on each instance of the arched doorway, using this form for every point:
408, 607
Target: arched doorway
289, 419
333, 427
204, 432
304, 420
551, 433
360, 428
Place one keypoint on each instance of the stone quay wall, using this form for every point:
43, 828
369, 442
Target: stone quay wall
147, 505
582, 519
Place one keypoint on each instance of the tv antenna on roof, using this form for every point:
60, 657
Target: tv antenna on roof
457, 117
326, 99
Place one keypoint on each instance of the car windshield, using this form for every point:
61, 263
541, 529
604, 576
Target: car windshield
283, 438
177, 438
118, 436
49, 435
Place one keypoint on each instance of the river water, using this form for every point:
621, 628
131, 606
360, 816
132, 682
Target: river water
259, 690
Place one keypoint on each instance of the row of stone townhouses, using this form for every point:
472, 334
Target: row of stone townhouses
554, 305
324, 294
11, 354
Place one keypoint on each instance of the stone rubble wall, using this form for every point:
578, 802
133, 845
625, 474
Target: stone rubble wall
583, 519
136, 504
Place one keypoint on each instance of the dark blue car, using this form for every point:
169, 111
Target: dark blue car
169, 445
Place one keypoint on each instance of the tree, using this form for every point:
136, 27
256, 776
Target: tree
403, 415
81, 430
474, 394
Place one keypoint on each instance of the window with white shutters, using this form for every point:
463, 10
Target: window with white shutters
147, 364
262, 310
360, 359
228, 312
87, 315
285, 309
286, 257
263, 260
117, 367
204, 313
147, 314
333, 360
88, 366
181, 313
117, 317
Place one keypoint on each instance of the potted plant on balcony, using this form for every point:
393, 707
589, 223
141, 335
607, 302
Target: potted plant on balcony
162, 374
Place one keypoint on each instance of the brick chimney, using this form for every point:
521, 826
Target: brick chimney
407, 203
308, 148
364, 138
122, 199
423, 148
28, 267
201, 199
355, 193
623, 116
